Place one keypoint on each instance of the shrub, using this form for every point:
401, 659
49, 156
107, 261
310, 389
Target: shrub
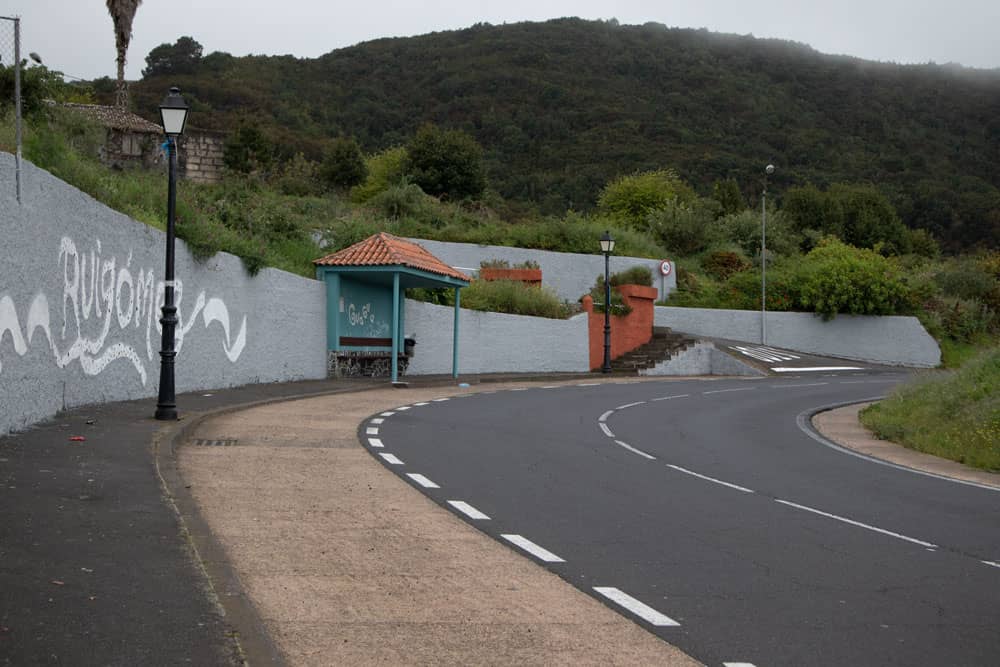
723, 263
838, 278
343, 165
502, 296
384, 170
630, 199
636, 275
744, 229
400, 201
446, 163
298, 177
682, 228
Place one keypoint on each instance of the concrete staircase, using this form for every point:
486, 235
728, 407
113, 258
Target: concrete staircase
664, 344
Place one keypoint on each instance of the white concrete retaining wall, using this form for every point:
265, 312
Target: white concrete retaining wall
494, 342
893, 340
570, 275
80, 292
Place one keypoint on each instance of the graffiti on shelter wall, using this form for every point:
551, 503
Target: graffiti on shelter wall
106, 305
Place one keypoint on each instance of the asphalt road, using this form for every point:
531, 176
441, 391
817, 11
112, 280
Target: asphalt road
702, 510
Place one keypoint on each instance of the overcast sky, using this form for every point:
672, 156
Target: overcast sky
77, 38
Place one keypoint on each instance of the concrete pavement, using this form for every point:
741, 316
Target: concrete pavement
96, 568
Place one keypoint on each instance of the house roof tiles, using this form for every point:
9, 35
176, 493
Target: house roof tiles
384, 249
116, 118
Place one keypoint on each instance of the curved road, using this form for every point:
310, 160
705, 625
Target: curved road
703, 511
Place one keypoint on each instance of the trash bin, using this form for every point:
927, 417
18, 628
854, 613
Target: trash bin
408, 345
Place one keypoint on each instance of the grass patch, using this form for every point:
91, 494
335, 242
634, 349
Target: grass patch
952, 414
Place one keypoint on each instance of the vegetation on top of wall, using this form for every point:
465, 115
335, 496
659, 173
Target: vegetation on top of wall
953, 414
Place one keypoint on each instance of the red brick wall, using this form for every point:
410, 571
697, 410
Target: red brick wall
628, 332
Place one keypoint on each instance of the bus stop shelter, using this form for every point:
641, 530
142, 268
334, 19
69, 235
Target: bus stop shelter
365, 298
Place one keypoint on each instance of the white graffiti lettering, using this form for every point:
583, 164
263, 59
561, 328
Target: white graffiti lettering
99, 286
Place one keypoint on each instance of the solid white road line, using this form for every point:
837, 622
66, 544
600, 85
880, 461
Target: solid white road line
856, 523
375, 442
723, 391
812, 369
990, 563
538, 552
604, 417
371, 430
607, 431
636, 451
667, 398
387, 414
643, 611
378, 420
789, 386
709, 479
422, 481
468, 510
630, 405
391, 458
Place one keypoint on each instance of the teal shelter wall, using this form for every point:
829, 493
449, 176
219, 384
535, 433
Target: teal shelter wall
364, 311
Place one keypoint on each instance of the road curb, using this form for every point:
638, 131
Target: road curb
898, 456
251, 636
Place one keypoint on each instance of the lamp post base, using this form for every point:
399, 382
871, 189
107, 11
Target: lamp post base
166, 413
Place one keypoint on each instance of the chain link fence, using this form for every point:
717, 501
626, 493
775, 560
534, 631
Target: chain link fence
10, 84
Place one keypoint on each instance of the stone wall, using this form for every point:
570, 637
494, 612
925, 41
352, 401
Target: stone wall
200, 156
80, 290
894, 341
494, 342
568, 274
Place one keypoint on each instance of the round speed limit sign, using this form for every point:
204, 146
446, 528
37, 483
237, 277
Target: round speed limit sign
665, 267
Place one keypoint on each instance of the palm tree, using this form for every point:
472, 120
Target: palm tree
122, 12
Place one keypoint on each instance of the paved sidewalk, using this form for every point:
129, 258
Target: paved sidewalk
95, 568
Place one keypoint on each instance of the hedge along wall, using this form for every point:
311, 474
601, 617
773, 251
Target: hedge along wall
892, 340
80, 294
570, 275
494, 342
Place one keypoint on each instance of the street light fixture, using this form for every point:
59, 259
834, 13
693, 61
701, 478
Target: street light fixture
173, 116
768, 170
607, 247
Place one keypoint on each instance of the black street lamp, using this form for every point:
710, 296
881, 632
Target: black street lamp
607, 247
173, 115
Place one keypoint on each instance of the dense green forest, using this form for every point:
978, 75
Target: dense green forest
561, 108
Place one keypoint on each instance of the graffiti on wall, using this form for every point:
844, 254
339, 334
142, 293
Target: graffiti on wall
104, 304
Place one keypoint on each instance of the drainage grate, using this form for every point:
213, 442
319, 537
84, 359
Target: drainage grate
200, 442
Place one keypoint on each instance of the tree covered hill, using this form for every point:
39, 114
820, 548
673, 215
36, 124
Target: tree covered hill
563, 107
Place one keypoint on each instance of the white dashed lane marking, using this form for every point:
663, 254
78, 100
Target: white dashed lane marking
404, 407
640, 609
391, 458
636, 451
378, 420
538, 552
375, 442
856, 523
723, 391
371, 430
607, 431
604, 417
630, 405
667, 398
468, 510
709, 479
387, 414
814, 369
422, 481
990, 563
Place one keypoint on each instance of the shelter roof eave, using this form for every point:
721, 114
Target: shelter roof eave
408, 276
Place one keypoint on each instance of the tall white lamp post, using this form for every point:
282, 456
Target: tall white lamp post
763, 257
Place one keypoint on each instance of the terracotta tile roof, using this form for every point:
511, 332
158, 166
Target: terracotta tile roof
116, 118
384, 249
